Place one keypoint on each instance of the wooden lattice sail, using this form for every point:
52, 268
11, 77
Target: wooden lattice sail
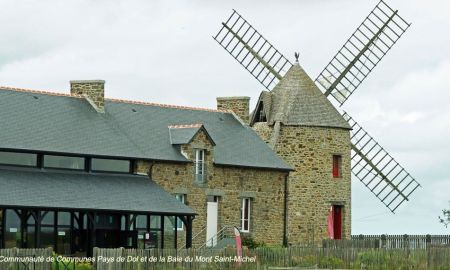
252, 51
378, 170
376, 35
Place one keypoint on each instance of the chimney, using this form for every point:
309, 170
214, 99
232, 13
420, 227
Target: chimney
239, 105
92, 90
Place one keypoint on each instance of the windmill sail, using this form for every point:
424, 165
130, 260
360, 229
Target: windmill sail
376, 35
378, 170
252, 51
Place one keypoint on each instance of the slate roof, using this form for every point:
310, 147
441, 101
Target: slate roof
79, 190
296, 100
183, 134
60, 123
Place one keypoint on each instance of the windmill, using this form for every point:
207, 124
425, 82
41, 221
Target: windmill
359, 55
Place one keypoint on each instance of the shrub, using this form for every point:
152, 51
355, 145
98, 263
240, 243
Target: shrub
250, 243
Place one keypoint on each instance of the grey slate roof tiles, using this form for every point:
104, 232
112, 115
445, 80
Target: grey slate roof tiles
31, 120
80, 190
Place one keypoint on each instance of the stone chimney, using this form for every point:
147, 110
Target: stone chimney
92, 90
239, 105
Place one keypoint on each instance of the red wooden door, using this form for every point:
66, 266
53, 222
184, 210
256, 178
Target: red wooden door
337, 222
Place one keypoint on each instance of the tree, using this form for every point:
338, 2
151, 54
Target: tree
445, 219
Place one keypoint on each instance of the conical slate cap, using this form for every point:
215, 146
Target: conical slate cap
296, 100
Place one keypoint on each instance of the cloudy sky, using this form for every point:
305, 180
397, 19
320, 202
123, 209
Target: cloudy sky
162, 51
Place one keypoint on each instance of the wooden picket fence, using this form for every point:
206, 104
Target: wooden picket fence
25, 259
275, 258
399, 241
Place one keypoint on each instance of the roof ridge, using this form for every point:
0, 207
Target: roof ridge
46, 92
198, 125
166, 105
36, 91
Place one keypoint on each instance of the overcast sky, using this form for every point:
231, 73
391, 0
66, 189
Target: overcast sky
162, 51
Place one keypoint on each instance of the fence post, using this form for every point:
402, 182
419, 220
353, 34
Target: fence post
383, 241
95, 255
405, 241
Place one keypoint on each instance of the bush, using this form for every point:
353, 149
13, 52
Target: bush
250, 243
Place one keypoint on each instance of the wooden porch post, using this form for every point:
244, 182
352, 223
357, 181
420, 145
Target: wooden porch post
189, 231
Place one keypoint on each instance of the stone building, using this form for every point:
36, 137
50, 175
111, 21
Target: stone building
80, 170
300, 124
305, 129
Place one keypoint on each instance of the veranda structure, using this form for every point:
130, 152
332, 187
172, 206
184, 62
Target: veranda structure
74, 211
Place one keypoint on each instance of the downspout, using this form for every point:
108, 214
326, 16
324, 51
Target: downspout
285, 212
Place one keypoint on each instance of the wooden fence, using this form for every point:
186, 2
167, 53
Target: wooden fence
25, 259
403, 241
274, 258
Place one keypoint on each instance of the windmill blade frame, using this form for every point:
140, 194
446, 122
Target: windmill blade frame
252, 51
361, 53
378, 170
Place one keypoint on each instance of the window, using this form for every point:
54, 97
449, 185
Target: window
76, 163
337, 164
21, 159
260, 114
181, 198
110, 165
245, 217
200, 165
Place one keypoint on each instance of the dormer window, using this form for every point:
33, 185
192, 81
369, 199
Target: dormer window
260, 114
199, 165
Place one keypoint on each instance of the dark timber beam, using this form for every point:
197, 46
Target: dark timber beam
189, 231
378, 171
358, 56
255, 54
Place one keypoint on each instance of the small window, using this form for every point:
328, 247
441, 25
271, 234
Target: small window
110, 165
200, 165
181, 198
245, 217
76, 163
21, 159
337, 164
260, 113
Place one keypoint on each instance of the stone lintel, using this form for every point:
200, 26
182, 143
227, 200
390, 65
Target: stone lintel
180, 190
247, 194
214, 192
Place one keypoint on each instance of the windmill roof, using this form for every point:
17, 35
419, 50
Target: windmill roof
60, 123
296, 100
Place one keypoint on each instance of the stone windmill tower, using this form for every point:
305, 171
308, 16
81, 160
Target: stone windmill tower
296, 117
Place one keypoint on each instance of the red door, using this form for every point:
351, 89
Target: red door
337, 221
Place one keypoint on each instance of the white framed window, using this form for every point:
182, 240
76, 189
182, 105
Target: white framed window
245, 214
199, 165
181, 198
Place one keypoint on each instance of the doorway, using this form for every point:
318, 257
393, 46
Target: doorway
212, 220
335, 222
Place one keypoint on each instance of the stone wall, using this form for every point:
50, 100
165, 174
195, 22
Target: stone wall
312, 188
94, 89
229, 184
239, 105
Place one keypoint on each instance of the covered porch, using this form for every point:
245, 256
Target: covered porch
72, 212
